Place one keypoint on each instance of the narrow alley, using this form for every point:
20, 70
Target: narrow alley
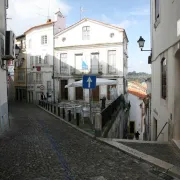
40, 146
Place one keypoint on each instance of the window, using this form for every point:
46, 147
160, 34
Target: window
44, 39
38, 60
30, 78
38, 78
48, 86
111, 61
63, 63
86, 33
20, 76
78, 63
30, 43
94, 63
164, 78
31, 60
46, 59
157, 9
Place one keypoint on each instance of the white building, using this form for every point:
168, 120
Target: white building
165, 37
137, 121
39, 50
90, 47
3, 73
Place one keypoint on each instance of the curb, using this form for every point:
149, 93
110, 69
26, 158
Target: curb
72, 125
168, 168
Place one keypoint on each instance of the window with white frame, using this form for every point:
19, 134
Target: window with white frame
63, 63
46, 59
86, 33
38, 60
38, 78
111, 61
31, 60
48, 85
44, 39
30, 43
21, 76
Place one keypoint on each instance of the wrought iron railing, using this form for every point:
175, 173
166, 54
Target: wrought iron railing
111, 108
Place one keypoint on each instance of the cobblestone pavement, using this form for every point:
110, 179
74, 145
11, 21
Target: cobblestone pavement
41, 147
166, 152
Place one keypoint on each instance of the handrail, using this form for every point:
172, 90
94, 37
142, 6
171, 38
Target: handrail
161, 130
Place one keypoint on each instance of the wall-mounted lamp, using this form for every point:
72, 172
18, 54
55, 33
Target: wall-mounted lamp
141, 42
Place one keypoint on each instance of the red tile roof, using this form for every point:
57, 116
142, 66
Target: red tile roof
136, 93
42, 25
137, 89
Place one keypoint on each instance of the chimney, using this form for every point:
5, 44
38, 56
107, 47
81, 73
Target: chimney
60, 22
49, 20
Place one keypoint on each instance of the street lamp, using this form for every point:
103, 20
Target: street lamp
141, 42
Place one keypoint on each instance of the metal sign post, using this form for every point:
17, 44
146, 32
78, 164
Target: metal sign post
89, 82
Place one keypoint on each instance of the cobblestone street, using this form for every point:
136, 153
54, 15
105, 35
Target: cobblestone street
42, 147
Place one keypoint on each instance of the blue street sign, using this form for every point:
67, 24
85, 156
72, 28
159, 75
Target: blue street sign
89, 82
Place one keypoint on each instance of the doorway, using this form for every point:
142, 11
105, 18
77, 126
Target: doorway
155, 129
95, 94
108, 90
64, 91
131, 127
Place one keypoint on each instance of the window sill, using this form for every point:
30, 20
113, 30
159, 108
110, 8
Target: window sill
156, 23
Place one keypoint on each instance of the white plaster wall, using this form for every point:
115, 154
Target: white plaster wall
86, 51
164, 38
103, 60
135, 113
164, 107
3, 77
165, 34
38, 49
98, 34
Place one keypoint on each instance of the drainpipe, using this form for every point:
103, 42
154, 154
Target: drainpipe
53, 66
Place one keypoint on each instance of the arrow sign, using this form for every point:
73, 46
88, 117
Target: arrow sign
89, 82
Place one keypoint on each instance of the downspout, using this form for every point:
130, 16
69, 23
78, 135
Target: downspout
53, 67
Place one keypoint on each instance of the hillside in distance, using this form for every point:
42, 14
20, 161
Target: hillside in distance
138, 76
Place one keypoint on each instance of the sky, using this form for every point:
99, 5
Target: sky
132, 15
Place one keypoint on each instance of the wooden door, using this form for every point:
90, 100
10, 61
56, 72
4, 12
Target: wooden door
64, 91
79, 93
95, 94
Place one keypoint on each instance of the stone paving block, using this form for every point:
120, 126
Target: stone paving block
40, 146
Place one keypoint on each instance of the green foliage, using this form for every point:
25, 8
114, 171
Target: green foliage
139, 77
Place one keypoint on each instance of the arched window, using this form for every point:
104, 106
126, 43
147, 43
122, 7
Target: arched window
164, 78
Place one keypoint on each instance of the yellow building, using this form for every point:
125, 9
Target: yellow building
20, 70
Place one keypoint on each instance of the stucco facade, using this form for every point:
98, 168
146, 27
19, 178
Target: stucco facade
3, 73
36, 52
20, 75
165, 37
85, 48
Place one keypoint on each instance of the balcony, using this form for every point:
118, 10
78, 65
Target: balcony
92, 70
96, 70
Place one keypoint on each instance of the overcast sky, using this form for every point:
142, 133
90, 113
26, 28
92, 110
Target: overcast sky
133, 15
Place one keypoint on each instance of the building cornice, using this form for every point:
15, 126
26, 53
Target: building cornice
89, 46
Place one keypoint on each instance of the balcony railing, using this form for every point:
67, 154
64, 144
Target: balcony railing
65, 70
